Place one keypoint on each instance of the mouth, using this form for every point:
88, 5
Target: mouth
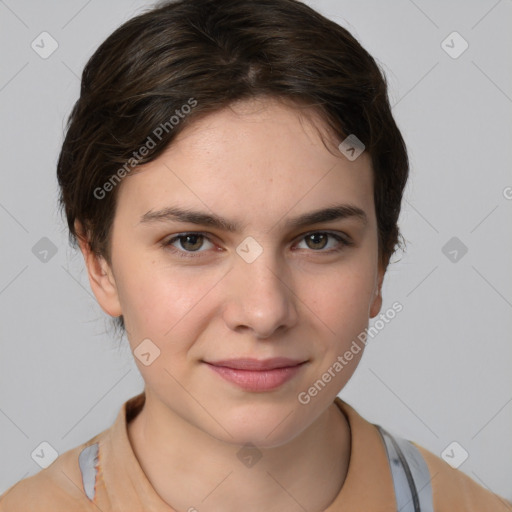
257, 375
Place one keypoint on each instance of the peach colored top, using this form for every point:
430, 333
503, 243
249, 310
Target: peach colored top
122, 486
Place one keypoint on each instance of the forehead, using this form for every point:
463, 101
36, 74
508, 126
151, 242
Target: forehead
258, 158
261, 118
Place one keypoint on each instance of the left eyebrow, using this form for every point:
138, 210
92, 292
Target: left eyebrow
176, 214
336, 212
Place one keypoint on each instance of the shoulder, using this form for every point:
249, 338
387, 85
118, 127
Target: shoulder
57, 488
454, 491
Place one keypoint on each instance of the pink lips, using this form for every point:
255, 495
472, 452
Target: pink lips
255, 374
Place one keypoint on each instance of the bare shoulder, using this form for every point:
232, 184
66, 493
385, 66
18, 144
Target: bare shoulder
57, 488
454, 491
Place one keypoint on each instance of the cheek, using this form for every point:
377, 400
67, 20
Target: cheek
341, 298
159, 301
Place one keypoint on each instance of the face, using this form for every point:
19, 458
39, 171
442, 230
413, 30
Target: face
247, 304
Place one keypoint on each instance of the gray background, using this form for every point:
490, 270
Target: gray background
439, 372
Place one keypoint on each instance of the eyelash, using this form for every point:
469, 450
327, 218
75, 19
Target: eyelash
344, 242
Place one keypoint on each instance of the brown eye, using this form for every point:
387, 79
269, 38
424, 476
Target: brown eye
317, 240
188, 244
191, 242
324, 242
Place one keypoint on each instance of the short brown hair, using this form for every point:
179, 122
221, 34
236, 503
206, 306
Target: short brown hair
216, 52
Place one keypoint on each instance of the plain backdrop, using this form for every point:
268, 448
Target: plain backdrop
439, 372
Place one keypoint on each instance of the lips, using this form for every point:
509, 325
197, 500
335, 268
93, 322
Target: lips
255, 374
257, 364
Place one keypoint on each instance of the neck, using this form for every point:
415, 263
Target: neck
190, 470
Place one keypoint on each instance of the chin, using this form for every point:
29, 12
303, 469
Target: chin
264, 425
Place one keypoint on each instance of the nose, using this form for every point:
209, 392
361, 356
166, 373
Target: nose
260, 297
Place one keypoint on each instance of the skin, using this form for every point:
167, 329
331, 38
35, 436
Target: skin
258, 163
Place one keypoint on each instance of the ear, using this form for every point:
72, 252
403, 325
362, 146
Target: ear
101, 277
376, 304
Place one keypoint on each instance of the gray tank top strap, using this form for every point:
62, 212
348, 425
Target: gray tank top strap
88, 460
411, 477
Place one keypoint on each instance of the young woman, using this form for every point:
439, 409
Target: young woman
233, 176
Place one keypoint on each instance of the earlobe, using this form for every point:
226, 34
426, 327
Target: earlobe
376, 304
101, 278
